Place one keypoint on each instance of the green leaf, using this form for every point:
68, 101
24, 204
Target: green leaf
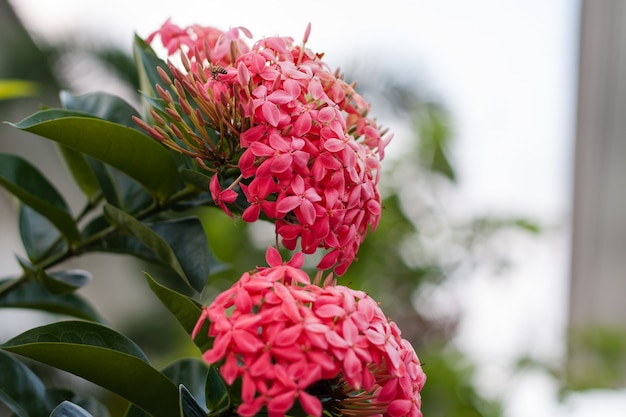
30, 294
102, 356
119, 189
39, 237
69, 409
20, 389
55, 396
137, 155
81, 171
17, 88
29, 185
187, 239
158, 245
147, 63
192, 373
198, 179
434, 141
58, 282
184, 309
189, 407
102, 105
217, 396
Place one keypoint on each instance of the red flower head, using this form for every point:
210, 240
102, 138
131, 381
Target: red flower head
328, 348
306, 153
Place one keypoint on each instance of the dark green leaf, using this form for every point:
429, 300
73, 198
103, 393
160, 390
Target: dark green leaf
102, 356
30, 294
30, 186
126, 149
102, 105
192, 373
187, 239
105, 181
80, 170
147, 63
58, 282
186, 311
20, 389
216, 392
196, 178
150, 239
189, 407
39, 237
68, 409
119, 189
55, 396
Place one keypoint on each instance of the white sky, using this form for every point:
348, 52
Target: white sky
506, 69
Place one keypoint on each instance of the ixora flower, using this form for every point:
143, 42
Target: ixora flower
277, 125
320, 348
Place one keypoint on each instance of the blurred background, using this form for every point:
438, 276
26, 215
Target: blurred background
501, 248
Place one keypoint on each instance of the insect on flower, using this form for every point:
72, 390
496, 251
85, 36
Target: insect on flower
216, 70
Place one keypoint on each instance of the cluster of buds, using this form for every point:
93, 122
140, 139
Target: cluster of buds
272, 122
329, 348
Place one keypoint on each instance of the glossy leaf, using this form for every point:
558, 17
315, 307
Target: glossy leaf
187, 239
102, 105
192, 373
189, 407
198, 179
29, 185
119, 189
69, 409
126, 149
39, 237
81, 171
217, 395
102, 356
31, 295
186, 310
20, 389
160, 246
58, 282
147, 62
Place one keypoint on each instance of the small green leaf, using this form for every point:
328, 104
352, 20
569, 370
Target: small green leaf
198, 179
39, 237
81, 171
20, 389
217, 396
58, 282
184, 309
151, 240
69, 409
192, 373
189, 407
137, 155
102, 356
119, 189
29, 185
30, 294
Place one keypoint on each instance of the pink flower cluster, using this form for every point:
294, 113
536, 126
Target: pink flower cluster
298, 136
327, 347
